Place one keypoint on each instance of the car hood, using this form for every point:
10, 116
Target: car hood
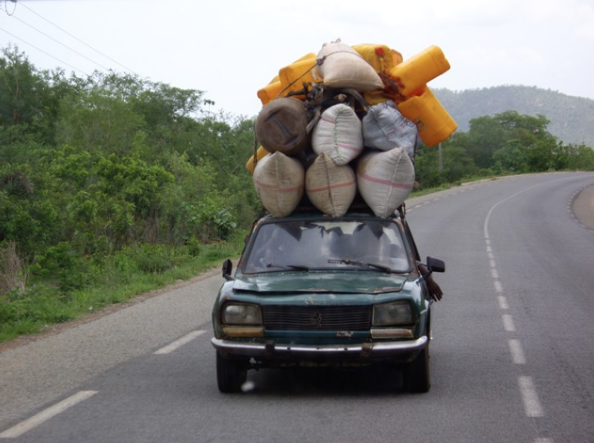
366, 282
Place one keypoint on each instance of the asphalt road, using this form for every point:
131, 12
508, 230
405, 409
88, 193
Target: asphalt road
511, 360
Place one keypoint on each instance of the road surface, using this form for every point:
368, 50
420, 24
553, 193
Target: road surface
511, 358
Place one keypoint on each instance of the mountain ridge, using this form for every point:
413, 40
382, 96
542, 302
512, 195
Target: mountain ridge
571, 118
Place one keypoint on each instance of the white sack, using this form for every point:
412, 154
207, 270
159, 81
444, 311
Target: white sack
343, 67
339, 134
279, 181
385, 179
329, 187
385, 128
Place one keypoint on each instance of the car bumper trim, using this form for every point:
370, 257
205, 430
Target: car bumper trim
380, 349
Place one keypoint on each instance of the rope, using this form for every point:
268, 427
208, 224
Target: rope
256, 143
297, 79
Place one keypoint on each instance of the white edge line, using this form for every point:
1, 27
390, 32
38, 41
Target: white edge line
46, 414
532, 405
179, 342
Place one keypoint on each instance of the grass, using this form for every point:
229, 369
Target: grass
116, 280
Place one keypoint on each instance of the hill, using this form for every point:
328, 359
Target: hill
572, 118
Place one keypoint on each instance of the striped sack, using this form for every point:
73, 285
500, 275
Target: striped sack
329, 187
385, 179
279, 180
339, 134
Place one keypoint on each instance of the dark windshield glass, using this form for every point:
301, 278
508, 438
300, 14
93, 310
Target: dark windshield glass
350, 244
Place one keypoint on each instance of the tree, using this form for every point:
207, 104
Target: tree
489, 134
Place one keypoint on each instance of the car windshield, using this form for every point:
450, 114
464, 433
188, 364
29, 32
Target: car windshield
374, 245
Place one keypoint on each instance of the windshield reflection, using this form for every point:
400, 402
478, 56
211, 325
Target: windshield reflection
305, 245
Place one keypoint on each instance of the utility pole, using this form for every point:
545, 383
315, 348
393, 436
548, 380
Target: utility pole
440, 157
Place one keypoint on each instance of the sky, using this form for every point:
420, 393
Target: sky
230, 49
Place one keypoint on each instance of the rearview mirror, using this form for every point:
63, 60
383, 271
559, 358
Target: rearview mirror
435, 265
227, 270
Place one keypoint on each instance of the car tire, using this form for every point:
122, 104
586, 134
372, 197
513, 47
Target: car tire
417, 377
231, 374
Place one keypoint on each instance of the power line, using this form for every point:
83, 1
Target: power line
79, 40
60, 43
46, 53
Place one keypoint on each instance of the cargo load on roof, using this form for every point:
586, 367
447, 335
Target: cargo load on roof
346, 123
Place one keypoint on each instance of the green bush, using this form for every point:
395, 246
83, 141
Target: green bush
38, 304
150, 258
62, 265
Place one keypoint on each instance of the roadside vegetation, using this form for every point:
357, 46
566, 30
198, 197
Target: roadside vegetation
111, 185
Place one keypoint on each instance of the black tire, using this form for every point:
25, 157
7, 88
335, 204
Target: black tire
231, 374
417, 377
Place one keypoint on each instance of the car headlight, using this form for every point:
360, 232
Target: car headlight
241, 314
394, 313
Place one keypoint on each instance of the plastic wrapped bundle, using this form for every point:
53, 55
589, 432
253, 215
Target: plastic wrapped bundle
385, 128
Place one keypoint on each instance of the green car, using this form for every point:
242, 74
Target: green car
313, 290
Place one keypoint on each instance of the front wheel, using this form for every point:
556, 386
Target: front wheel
231, 374
416, 375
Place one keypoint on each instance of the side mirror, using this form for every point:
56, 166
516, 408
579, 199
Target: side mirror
227, 270
435, 265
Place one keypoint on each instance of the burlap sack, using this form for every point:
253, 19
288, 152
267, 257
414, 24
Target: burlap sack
343, 67
279, 181
384, 179
329, 187
338, 133
385, 128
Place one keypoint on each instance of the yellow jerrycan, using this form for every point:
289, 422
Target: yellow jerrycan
287, 75
434, 124
413, 74
270, 91
294, 75
382, 58
260, 154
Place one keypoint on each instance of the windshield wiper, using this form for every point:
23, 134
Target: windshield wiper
348, 261
291, 267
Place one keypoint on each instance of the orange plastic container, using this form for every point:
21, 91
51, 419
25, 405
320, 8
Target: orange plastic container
413, 74
260, 154
294, 75
380, 57
433, 121
270, 91
374, 97
274, 89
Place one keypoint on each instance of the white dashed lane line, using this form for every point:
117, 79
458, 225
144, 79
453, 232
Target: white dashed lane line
508, 323
58, 408
528, 393
46, 414
532, 405
515, 349
179, 342
502, 300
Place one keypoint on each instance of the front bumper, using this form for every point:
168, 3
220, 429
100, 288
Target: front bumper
404, 350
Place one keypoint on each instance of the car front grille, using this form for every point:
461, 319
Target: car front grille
317, 318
